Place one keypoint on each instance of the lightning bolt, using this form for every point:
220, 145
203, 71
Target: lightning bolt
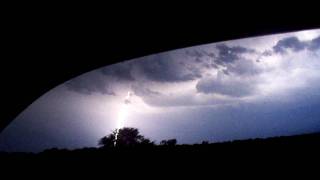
122, 115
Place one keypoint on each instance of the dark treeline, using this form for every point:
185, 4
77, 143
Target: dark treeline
130, 144
135, 154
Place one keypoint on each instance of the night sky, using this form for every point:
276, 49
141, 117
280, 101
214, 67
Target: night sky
248, 88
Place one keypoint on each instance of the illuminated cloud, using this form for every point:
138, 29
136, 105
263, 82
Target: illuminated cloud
227, 85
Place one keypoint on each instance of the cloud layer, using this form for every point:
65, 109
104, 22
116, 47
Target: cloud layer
227, 70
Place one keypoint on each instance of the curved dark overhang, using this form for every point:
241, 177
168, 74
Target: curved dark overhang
44, 55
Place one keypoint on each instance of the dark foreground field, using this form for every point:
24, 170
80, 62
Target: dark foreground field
294, 151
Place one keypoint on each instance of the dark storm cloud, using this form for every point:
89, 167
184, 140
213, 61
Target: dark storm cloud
231, 59
266, 53
195, 53
239, 73
199, 53
230, 54
90, 83
243, 68
162, 68
314, 44
120, 71
165, 68
202, 57
292, 43
226, 54
168, 67
226, 57
140, 90
234, 79
224, 85
172, 67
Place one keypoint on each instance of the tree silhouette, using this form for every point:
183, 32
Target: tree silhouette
205, 142
107, 141
169, 142
125, 137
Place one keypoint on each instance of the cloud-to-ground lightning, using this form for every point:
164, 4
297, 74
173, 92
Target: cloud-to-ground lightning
122, 115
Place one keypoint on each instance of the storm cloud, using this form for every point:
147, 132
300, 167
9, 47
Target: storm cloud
165, 67
296, 45
226, 85
90, 83
120, 71
158, 68
140, 90
315, 44
237, 66
230, 54
292, 43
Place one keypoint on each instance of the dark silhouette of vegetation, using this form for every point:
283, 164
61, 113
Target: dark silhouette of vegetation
107, 141
170, 142
205, 142
125, 137
133, 149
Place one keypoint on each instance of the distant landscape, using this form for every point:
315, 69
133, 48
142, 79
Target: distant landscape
131, 145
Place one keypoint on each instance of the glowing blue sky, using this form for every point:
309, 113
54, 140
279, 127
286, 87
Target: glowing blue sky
247, 88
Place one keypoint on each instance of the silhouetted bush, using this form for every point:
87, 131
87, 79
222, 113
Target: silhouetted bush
169, 142
204, 142
107, 141
125, 137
